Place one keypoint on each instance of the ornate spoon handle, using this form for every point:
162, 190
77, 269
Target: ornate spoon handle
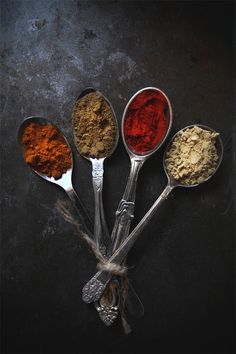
108, 310
101, 233
124, 213
93, 290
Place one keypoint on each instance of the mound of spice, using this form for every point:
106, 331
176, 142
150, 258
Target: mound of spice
94, 126
46, 150
145, 122
192, 156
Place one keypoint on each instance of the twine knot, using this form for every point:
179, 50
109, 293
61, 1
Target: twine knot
113, 268
103, 264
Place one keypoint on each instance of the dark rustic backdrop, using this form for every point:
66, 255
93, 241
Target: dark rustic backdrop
183, 266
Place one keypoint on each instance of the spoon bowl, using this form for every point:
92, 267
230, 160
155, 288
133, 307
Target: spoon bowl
154, 97
65, 181
219, 148
168, 116
86, 92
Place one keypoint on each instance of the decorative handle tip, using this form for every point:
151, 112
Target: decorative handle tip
92, 291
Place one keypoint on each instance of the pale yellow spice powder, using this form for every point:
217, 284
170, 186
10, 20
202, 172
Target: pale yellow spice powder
192, 156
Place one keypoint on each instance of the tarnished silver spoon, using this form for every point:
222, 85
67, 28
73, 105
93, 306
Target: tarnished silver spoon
125, 211
101, 234
65, 181
109, 305
93, 290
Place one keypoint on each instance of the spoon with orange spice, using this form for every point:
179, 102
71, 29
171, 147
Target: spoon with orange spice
48, 153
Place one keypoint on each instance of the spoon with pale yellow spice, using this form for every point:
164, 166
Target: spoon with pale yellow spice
40, 142
183, 168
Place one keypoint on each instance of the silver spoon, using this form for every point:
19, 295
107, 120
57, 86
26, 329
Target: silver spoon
124, 213
65, 181
93, 290
108, 310
101, 234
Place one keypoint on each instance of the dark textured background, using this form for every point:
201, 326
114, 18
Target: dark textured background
183, 266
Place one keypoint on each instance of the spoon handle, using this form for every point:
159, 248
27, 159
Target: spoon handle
101, 233
81, 211
93, 290
124, 213
108, 311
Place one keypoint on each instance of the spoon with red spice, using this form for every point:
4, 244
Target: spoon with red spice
146, 122
40, 156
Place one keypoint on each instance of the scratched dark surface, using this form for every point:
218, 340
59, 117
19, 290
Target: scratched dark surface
183, 265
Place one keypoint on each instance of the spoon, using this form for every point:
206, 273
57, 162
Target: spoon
101, 233
108, 310
95, 287
124, 213
65, 182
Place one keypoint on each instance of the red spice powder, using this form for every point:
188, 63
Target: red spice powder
146, 121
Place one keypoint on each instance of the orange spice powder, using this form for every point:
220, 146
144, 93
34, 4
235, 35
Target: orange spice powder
46, 150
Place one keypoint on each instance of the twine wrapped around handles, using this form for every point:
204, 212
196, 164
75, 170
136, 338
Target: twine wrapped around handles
103, 264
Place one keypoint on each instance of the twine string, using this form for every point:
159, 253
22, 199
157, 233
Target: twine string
103, 264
